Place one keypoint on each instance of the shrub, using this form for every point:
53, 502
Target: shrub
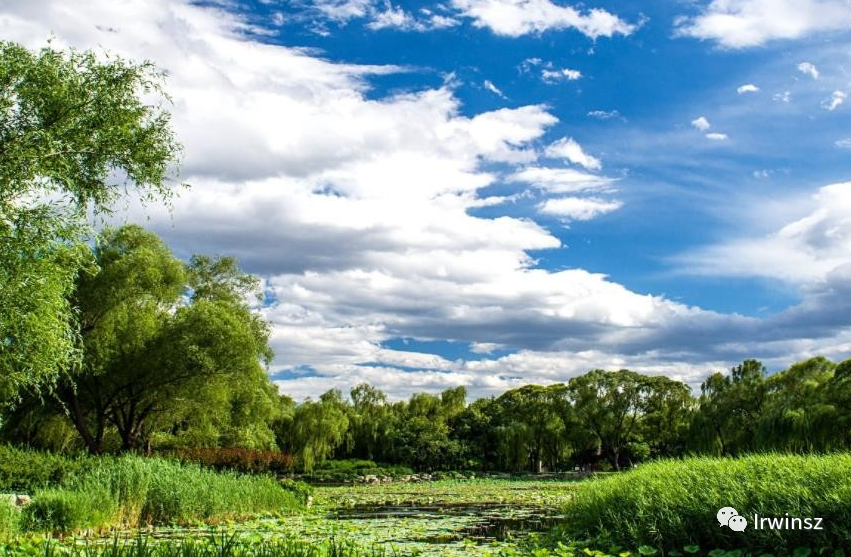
301, 490
673, 503
9, 518
26, 471
240, 460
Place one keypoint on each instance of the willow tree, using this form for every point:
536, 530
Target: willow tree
75, 132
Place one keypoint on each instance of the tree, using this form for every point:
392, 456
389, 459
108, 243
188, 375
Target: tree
74, 134
730, 409
318, 428
168, 349
610, 403
668, 412
530, 415
798, 414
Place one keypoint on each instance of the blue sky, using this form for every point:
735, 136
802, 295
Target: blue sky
497, 192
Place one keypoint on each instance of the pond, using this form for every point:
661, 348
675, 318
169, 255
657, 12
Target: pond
473, 517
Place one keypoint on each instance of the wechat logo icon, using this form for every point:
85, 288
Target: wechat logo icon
728, 516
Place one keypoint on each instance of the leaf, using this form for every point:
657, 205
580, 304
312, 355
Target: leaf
646, 550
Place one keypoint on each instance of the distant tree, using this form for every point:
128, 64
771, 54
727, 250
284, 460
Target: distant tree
74, 134
611, 405
730, 409
530, 414
667, 414
798, 414
371, 422
318, 428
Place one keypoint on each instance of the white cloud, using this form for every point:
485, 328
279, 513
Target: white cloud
701, 123
803, 251
747, 88
343, 10
749, 23
568, 148
578, 208
785, 96
488, 84
561, 180
395, 17
716, 136
605, 114
843, 143
835, 100
554, 76
514, 18
355, 208
808, 68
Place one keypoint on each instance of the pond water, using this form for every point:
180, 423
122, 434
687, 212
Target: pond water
440, 518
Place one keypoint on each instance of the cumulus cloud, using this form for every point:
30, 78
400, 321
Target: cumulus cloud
578, 208
843, 143
514, 18
716, 136
568, 148
804, 251
701, 123
356, 210
808, 68
747, 88
835, 101
750, 23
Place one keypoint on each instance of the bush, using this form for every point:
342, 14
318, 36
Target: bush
671, 504
9, 518
26, 471
348, 470
240, 460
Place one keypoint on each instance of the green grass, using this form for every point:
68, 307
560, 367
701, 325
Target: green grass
672, 504
100, 492
9, 518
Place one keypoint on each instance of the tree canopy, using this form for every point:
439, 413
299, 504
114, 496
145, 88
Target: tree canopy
76, 131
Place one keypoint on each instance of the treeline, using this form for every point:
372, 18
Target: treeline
602, 418
172, 356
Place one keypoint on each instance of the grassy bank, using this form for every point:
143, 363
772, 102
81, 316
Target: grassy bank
132, 491
672, 504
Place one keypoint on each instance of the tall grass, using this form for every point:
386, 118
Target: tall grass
97, 492
673, 503
9, 518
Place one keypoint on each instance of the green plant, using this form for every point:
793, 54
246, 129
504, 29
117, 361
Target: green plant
673, 503
59, 510
9, 518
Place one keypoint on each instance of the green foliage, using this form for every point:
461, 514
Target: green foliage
24, 471
158, 367
130, 491
670, 504
61, 510
69, 123
10, 518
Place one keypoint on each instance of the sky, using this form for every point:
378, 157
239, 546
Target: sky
492, 193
